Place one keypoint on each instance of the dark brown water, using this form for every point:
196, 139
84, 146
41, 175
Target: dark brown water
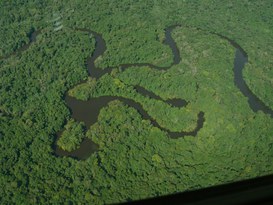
87, 147
88, 111
176, 102
254, 102
240, 60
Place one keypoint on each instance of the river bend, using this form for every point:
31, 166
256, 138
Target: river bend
82, 110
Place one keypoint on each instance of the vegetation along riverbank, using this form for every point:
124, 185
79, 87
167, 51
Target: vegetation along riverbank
112, 101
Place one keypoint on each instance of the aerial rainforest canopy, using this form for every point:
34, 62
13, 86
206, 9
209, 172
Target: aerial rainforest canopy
114, 101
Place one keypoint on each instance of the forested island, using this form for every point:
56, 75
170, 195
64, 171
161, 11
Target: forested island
113, 101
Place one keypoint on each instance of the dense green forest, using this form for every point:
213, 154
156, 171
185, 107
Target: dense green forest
135, 159
72, 136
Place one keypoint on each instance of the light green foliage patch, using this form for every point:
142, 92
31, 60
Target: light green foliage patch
72, 136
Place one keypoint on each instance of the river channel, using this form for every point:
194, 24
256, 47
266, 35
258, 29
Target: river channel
88, 111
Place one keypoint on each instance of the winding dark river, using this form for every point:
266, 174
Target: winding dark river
254, 102
88, 111
240, 60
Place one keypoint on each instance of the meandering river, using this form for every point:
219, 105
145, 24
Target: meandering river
88, 111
